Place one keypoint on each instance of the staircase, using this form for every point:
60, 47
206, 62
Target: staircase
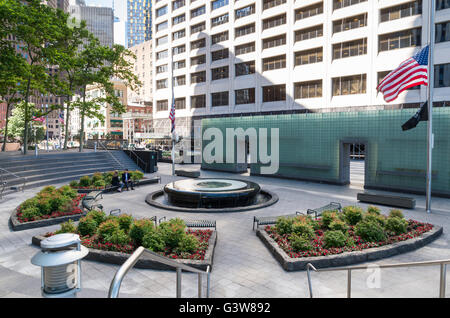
58, 167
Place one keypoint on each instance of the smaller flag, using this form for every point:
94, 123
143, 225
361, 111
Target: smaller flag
41, 119
172, 116
412, 72
61, 117
420, 115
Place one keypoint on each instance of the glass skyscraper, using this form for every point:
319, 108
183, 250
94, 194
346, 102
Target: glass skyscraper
139, 25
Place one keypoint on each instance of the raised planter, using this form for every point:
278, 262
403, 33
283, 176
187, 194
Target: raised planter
141, 182
144, 262
348, 258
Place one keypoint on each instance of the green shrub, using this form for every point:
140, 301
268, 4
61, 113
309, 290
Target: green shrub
396, 213
136, 175
48, 189
73, 183
107, 228
154, 241
118, 237
188, 244
98, 216
284, 225
85, 181
100, 183
300, 243
59, 203
334, 239
30, 212
125, 222
87, 226
139, 229
173, 231
30, 203
372, 217
396, 225
300, 227
44, 206
67, 191
67, 227
328, 217
353, 214
373, 210
338, 225
370, 231
97, 177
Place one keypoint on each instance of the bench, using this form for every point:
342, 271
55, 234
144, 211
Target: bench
187, 173
266, 220
195, 222
93, 195
329, 207
89, 205
117, 212
389, 200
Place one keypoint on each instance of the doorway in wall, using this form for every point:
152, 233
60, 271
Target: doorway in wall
352, 163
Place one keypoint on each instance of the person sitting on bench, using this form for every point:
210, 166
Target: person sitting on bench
115, 182
126, 179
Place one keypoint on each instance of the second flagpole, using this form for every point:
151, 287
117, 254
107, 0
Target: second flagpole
172, 105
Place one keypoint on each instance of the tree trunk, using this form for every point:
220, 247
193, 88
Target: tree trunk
25, 128
8, 106
66, 123
82, 120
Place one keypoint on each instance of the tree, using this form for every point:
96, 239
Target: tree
17, 121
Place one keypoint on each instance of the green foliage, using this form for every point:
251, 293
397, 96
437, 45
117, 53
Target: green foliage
98, 216
372, 217
154, 241
87, 226
284, 225
67, 227
68, 192
118, 237
301, 227
373, 210
353, 214
396, 213
173, 231
370, 231
97, 177
396, 225
73, 183
338, 225
139, 229
125, 222
136, 175
334, 239
187, 244
328, 217
30, 212
100, 183
107, 228
85, 181
300, 243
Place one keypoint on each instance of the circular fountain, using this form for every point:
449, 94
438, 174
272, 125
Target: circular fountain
211, 195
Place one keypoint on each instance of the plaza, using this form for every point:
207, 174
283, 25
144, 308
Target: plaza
242, 267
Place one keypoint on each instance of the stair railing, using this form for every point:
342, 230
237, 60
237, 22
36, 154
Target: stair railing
132, 260
112, 156
138, 160
4, 182
442, 280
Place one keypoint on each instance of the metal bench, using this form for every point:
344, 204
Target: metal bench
117, 212
93, 195
266, 220
89, 205
329, 207
195, 222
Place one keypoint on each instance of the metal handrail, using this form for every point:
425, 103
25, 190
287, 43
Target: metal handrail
442, 279
139, 159
132, 260
109, 152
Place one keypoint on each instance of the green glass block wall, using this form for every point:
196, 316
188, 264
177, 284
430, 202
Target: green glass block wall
311, 147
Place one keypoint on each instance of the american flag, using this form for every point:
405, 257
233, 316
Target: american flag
61, 117
172, 116
411, 72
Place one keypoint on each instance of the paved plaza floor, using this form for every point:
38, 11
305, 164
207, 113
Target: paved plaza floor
243, 267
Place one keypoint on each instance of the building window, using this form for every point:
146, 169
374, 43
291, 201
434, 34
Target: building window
160, 84
401, 11
401, 39
162, 55
274, 63
274, 21
267, 4
218, 4
162, 105
197, 60
219, 99
245, 68
244, 96
337, 4
162, 26
198, 27
180, 103
309, 33
274, 41
219, 73
197, 44
350, 23
442, 4
443, 32
245, 11
179, 49
179, 19
309, 56
349, 85
442, 75
244, 48
350, 48
198, 11
219, 20
219, 55
198, 77
178, 4
244, 30
382, 75
198, 101
274, 93
219, 37
162, 40
311, 89
309, 11
161, 11
179, 64
178, 34
179, 80
161, 69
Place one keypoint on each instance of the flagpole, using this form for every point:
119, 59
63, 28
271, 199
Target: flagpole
172, 105
430, 139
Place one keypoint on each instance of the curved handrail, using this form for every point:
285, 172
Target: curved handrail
132, 260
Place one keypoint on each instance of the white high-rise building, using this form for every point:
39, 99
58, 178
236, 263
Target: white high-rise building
284, 56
